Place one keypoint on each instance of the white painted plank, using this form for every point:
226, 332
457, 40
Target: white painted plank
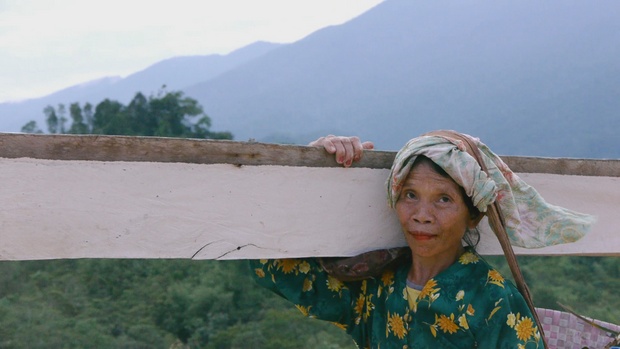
97, 209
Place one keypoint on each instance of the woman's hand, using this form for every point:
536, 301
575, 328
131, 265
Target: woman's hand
346, 149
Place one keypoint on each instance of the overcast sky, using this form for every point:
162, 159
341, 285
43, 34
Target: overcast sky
48, 45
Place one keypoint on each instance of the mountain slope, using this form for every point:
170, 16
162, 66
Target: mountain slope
529, 78
180, 72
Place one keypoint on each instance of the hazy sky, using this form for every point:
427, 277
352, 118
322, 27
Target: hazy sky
48, 45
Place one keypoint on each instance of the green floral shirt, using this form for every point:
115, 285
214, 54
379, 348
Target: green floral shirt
468, 305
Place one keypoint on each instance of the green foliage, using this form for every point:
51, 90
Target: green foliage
78, 126
31, 127
168, 114
588, 285
149, 304
216, 305
51, 119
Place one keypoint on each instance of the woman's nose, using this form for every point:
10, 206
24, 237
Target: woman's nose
422, 213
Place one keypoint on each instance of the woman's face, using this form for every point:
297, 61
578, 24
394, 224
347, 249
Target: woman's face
433, 214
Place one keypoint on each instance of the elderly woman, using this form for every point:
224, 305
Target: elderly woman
445, 295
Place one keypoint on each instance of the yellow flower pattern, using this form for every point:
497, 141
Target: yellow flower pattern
430, 292
334, 284
340, 326
470, 310
496, 309
396, 325
304, 267
447, 308
465, 310
307, 285
359, 308
512, 320
463, 322
387, 278
303, 310
524, 327
446, 324
363, 305
494, 277
259, 272
288, 265
468, 258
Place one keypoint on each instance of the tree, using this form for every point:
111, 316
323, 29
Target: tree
31, 127
78, 126
109, 119
62, 119
88, 116
201, 130
167, 114
143, 122
51, 119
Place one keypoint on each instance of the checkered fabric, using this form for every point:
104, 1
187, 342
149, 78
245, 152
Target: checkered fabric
566, 331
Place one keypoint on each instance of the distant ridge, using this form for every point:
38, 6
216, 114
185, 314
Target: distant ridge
175, 73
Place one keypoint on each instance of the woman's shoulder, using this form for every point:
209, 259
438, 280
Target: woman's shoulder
485, 283
470, 265
473, 273
475, 263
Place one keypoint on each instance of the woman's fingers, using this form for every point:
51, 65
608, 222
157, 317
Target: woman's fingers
368, 145
324, 142
346, 149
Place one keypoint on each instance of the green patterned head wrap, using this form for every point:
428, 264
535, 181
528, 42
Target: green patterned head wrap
530, 221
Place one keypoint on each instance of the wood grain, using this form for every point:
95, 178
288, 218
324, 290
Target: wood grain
154, 149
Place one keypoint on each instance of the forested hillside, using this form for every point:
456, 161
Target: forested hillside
215, 304
148, 304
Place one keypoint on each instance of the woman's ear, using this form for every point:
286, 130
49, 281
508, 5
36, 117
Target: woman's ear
474, 220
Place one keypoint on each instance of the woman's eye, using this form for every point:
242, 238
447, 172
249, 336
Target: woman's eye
409, 195
444, 199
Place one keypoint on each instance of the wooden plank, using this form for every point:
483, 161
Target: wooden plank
193, 208
153, 149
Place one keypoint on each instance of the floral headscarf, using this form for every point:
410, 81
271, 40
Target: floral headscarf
530, 221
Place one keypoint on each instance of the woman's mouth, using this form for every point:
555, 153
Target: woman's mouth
422, 236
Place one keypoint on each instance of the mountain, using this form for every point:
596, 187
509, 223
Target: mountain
527, 77
175, 73
180, 72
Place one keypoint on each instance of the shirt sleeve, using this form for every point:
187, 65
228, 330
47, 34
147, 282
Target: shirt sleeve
316, 293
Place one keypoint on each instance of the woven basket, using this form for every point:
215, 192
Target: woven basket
566, 331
